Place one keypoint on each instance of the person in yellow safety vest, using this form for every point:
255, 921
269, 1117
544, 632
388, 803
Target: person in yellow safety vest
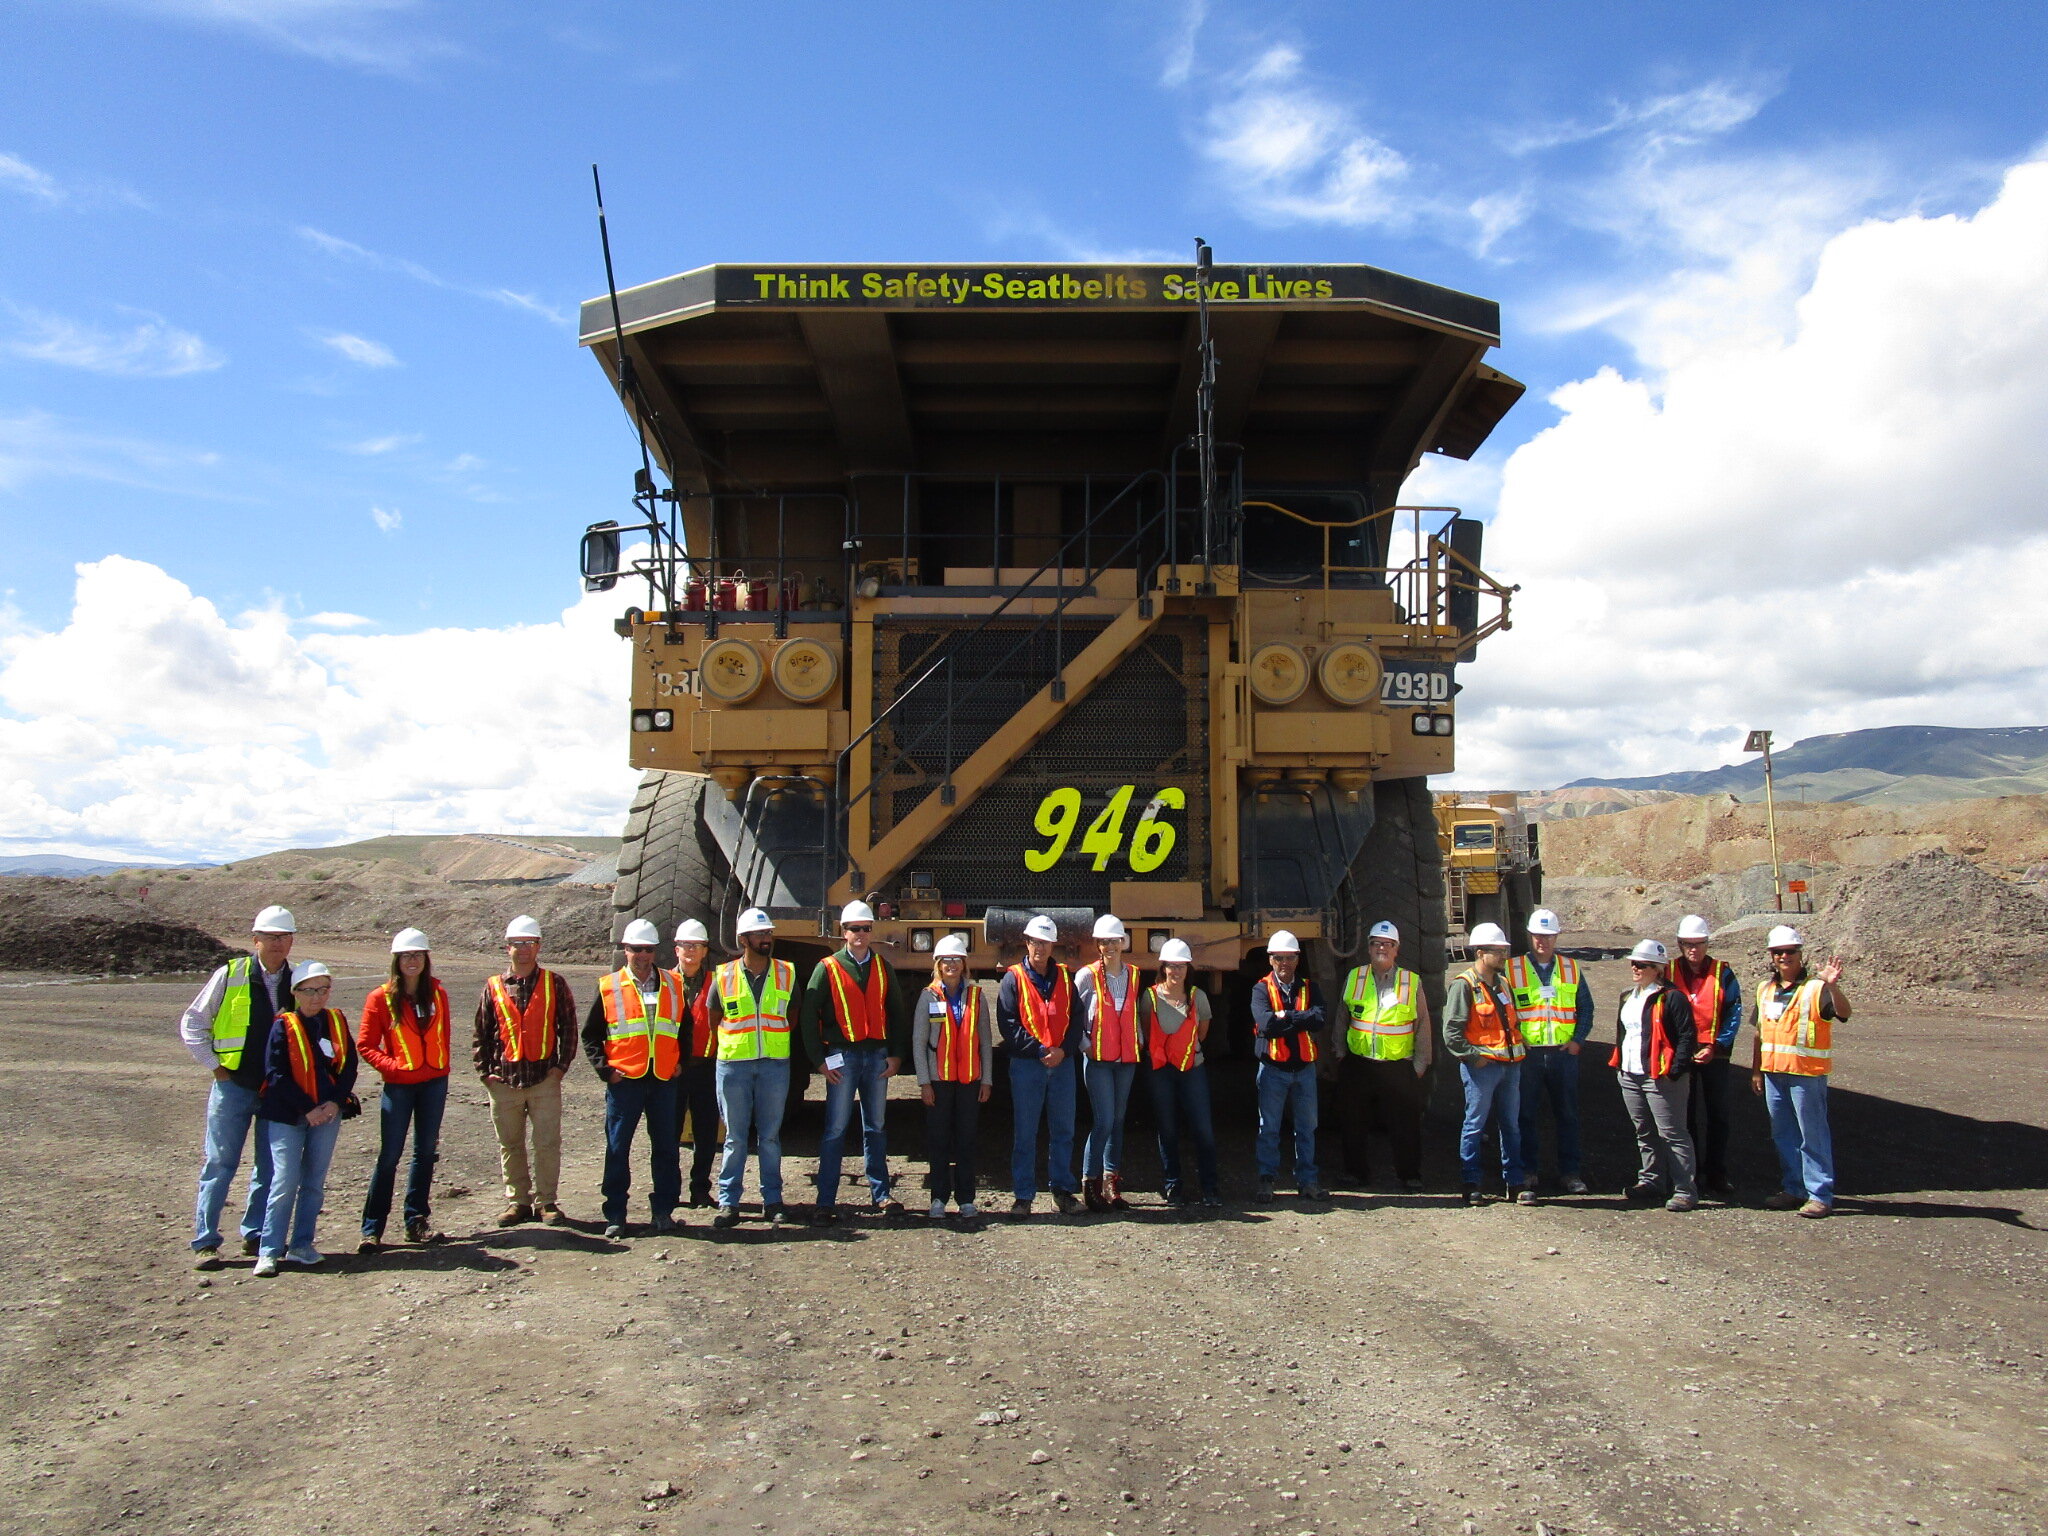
634, 1037
1796, 1013
1482, 1032
227, 1028
1386, 1049
750, 1006
856, 1029
1554, 1004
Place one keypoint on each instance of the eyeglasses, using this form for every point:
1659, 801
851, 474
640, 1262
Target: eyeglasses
310, 988
858, 928
521, 943
638, 949
1642, 965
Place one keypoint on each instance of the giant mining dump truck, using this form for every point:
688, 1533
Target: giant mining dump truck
980, 591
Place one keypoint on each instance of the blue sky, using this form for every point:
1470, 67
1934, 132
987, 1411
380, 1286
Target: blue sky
285, 287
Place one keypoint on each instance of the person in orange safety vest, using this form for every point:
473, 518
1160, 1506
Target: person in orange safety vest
404, 1035
1795, 1019
634, 1037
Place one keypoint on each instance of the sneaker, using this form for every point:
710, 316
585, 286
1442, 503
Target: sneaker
1815, 1210
370, 1244
1311, 1192
306, 1257
266, 1267
938, 1210
1682, 1203
206, 1258
1264, 1193
728, 1216
778, 1216
1020, 1210
1471, 1194
1780, 1200
615, 1230
1412, 1186
551, 1213
251, 1247
514, 1214
1574, 1185
1526, 1195
1067, 1201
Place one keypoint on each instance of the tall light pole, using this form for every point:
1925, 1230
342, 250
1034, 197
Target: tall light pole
1760, 741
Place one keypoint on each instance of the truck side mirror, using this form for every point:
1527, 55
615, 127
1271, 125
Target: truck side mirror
600, 557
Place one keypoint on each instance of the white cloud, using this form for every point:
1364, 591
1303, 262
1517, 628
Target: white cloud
349, 251
151, 349
363, 33
1291, 153
35, 445
1835, 526
391, 442
17, 175
1179, 63
360, 350
336, 621
387, 519
1698, 112
152, 723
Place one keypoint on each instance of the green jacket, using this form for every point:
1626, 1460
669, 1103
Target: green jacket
819, 1021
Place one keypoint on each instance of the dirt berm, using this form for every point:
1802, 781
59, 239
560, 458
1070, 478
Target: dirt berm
1934, 919
68, 927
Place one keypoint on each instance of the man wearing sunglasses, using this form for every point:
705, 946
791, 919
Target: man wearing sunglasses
856, 1028
635, 1039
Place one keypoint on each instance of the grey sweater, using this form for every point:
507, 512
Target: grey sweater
926, 1012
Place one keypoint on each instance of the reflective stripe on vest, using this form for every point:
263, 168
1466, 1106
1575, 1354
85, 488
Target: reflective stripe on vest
751, 1029
415, 1048
1793, 1035
958, 1056
1122, 1044
231, 1018
535, 1024
863, 1012
1045, 1019
1283, 1051
1382, 1023
635, 1040
1487, 1031
1547, 1015
1708, 998
299, 1048
1176, 1049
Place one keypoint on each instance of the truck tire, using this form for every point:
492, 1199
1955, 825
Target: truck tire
670, 868
1399, 876
1521, 902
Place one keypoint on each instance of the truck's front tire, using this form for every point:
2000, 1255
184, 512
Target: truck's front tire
670, 868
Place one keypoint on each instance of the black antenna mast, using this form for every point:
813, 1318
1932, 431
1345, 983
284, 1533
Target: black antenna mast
1205, 411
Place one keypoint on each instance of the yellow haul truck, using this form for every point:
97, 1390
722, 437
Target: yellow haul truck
984, 591
1493, 865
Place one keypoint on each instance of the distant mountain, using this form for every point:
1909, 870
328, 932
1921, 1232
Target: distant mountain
64, 866
1893, 764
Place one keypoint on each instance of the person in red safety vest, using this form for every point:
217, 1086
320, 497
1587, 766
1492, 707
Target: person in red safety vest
1112, 1048
952, 1050
700, 1059
1715, 993
1287, 1021
1175, 1016
856, 1029
633, 1036
1042, 1033
309, 1076
405, 1035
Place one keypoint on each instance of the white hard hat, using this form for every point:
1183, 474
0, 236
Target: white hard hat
1041, 927
1488, 936
1283, 943
312, 970
754, 920
1385, 930
690, 931
640, 931
1783, 937
522, 927
1650, 950
1693, 926
1543, 920
274, 920
1110, 926
954, 944
1176, 950
856, 912
409, 941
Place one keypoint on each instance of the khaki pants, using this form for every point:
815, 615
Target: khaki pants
511, 1110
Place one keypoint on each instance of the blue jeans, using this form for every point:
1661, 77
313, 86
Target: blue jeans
1182, 1098
864, 1076
751, 1095
1036, 1092
299, 1155
1109, 1091
625, 1101
229, 1109
1280, 1087
403, 1105
1799, 1125
1552, 1070
1491, 1087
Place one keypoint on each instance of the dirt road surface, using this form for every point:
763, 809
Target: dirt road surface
1383, 1363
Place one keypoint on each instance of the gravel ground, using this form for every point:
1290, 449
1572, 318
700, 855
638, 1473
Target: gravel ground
1384, 1363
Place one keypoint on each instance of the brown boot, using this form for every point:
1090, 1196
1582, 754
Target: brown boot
1117, 1202
514, 1214
1092, 1196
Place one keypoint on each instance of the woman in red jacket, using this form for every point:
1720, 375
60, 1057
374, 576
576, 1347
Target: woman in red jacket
404, 1035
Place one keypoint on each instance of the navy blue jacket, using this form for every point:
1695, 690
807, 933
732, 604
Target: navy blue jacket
282, 1098
1018, 1040
1305, 1016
